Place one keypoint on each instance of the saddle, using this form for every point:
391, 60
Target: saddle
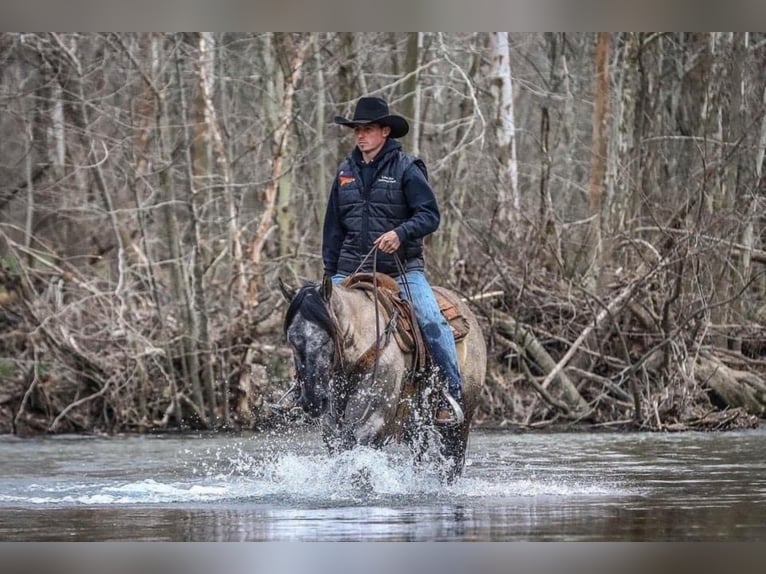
407, 332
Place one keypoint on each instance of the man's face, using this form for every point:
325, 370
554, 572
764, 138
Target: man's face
371, 137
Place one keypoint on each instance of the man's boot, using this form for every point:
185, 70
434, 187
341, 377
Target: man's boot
449, 411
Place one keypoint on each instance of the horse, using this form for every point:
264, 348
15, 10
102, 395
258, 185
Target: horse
353, 377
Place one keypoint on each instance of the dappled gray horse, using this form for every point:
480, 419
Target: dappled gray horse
355, 379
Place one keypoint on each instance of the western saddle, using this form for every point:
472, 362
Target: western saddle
407, 333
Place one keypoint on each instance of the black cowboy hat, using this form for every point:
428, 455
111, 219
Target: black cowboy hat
374, 110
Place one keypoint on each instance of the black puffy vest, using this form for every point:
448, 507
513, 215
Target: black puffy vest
367, 215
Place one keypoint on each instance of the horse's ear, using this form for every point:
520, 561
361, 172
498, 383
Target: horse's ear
326, 289
287, 292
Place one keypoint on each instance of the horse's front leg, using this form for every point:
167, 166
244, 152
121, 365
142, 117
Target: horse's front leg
352, 431
336, 435
369, 432
371, 409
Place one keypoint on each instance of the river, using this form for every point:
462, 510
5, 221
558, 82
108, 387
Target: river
284, 487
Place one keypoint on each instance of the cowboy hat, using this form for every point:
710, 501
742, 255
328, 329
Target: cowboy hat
374, 110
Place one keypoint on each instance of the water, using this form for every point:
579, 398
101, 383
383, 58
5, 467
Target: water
275, 487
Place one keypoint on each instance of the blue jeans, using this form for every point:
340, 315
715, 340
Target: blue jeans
437, 333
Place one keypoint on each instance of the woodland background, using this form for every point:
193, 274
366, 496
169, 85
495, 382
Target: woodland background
602, 199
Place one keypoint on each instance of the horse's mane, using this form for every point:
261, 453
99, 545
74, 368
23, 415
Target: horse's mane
308, 300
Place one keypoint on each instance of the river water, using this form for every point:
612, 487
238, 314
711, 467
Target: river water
283, 486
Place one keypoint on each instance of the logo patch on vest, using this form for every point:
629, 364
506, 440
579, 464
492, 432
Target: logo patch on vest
387, 179
343, 179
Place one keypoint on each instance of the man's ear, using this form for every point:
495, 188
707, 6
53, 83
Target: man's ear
386, 131
287, 292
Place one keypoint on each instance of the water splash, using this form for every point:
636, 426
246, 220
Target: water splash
139, 492
234, 474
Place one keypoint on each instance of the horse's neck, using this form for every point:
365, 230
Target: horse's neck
355, 314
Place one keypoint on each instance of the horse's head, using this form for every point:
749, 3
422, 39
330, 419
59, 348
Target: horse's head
311, 334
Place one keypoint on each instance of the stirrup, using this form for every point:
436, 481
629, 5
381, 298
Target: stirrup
452, 413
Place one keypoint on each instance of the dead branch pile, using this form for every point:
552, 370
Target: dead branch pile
79, 358
638, 351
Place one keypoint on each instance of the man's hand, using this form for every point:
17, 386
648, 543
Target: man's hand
388, 242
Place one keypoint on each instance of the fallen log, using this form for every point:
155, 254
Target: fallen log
737, 389
525, 340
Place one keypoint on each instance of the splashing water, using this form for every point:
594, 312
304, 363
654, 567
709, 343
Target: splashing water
273, 474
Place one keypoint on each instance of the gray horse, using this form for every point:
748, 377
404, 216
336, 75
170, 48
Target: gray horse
354, 378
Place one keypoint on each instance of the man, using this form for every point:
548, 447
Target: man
381, 198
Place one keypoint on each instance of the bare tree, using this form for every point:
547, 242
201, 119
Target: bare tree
297, 54
505, 126
598, 154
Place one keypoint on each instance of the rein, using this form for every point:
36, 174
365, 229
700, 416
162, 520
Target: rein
371, 357
377, 316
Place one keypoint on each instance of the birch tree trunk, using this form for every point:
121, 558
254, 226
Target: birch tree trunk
737, 199
321, 183
505, 128
568, 120
287, 241
30, 156
211, 130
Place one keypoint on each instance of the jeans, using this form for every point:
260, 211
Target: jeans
437, 333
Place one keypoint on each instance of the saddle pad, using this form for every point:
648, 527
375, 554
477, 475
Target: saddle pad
450, 311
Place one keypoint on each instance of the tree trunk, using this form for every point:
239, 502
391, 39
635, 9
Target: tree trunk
281, 137
748, 235
598, 157
505, 128
210, 129
321, 180
202, 342
170, 230
410, 107
624, 157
